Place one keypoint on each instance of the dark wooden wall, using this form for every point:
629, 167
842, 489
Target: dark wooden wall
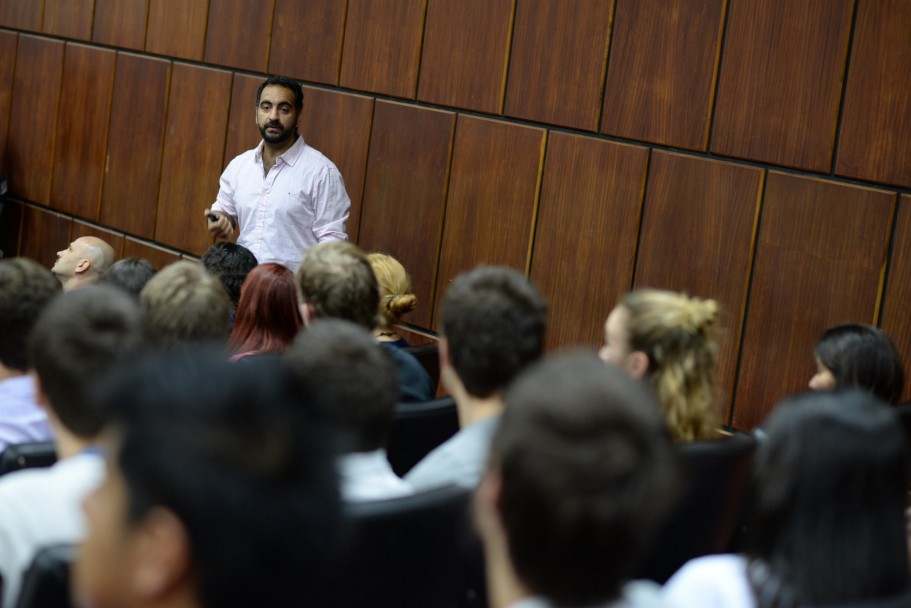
753, 151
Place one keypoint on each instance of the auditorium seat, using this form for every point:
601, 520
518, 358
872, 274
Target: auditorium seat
419, 550
46, 583
428, 355
27, 456
712, 500
417, 428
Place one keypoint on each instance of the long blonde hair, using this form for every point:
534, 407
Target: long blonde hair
677, 333
396, 298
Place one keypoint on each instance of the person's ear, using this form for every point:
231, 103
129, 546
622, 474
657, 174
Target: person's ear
637, 363
83, 265
307, 314
162, 554
487, 505
40, 394
443, 354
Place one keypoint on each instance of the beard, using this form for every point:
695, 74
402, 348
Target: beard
276, 138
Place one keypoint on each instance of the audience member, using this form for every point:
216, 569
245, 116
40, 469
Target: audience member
335, 280
231, 263
129, 274
218, 493
829, 525
859, 356
25, 290
268, 317
76, 341
83, 262
494, 321
396, 297
580, 479
184, 303
354, 385
668, 339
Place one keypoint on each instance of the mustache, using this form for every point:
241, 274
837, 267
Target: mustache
274, 123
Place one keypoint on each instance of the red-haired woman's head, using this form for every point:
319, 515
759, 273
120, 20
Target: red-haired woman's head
267, 318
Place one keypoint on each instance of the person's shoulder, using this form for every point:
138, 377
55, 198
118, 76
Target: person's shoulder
314, 159
712, 580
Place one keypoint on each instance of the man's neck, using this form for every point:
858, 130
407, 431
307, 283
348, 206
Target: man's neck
7, 372
471, 409
271, 152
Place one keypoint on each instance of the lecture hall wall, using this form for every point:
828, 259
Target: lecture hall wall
753, 151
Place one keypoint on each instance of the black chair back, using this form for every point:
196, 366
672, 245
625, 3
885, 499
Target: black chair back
46, 583
417, 428
418, 550
716, 482
27, 456
428, 355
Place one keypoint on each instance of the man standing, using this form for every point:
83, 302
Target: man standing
283, 196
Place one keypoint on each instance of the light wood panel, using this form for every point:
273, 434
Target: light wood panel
177, 28
895, 319
240, 33
338, 125
307, 39
193, 146
243, 133
661, 76
820, 257
79, 153
556, 70
585, 240
466, 49
490, 208
133, 169
383, 46
405, 193
69, 18
114, 239
22, 14
8, 43
875, 141
781, 78
696, 237
36, 94
159, 257
44, 233
121, 23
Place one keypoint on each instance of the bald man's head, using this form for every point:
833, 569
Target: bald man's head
82, 262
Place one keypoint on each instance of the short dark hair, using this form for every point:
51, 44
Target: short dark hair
75, 342
587, 477
864, 357
223, 447
336, 280
830, 481
26, 288
354, 380
231, 263
494, 322
129, 274
290, 84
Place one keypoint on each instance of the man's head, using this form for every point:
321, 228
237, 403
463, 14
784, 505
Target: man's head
129, 274
82, 262
493, 323
335, 280
354, 381
26, 288
218, 492
231, 263
76, 341
279, 102
184, 303
580, 479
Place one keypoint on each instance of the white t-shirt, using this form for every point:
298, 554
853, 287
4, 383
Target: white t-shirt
713, 581
368, 476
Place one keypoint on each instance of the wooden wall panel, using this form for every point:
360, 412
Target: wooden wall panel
121, 23
10, 223
36, 94
490, 208
405, 193
44, 233
466, 50
661, 77
69, 18
177, 28
585, 240
243, 133
159, 257
82, 130
133, 171
22, 14
193, 146
240, 33
697, 234
780, 87
820, 257
338, 125
875, 140
556, 74
8, 43
895, 319
113, 239
307, 39
383, 46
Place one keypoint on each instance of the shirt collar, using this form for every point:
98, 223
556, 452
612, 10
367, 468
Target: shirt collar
289, 156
